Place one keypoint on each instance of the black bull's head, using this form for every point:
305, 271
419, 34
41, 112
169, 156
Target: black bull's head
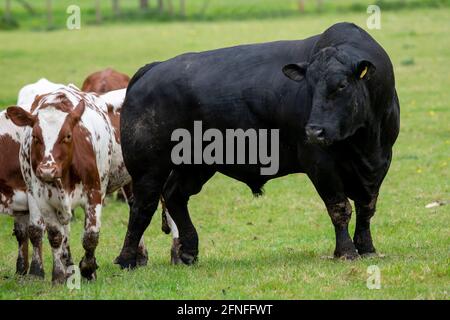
340, 98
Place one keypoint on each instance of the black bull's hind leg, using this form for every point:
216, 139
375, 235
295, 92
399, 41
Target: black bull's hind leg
177, 190
146, 189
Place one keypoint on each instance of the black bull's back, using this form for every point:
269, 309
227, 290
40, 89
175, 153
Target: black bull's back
239, 87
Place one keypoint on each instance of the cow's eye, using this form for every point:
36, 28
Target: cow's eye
342, 86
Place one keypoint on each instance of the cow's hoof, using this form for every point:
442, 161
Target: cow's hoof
58, 277
21, 267
364, 244
126, 262
188, 258
348, 256
36, 270
369, 255
142, 258
88, 268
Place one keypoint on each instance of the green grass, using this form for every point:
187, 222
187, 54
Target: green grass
275, 246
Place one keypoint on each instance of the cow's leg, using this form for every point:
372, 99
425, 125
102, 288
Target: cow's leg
169, 226
146, 191
36, 230
177, 190
175, 251
125, 194
142, 254
331, 190
56, 237
165, 227
340, 213
21, 233
88, 264
362, 237
67, 256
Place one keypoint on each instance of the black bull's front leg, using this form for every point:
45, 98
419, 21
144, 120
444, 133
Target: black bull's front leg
362, 237
340, 214
324, 175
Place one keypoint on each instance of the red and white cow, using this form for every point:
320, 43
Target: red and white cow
70, 156
104, 81
13, 194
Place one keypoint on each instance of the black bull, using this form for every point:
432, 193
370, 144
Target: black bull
337, 121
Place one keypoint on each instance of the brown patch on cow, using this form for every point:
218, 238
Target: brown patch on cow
10, 173
104, 81
20, 231
114, 117
36, 234
340, 213
84, 161
54, 237
37, 101
94, 199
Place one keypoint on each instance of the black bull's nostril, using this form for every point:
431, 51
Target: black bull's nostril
315, 133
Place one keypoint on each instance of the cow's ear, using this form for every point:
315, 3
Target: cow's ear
364, 69
20, 117
78, 111
295, 71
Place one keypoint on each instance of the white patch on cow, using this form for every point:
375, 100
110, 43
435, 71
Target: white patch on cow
115, 98
51, 121
19, 201
29, 92
173, 226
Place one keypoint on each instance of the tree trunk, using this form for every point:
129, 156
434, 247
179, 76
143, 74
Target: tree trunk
319, 5
160, 6
183, 8
49, 13
8, 10
170, 7
27, 6
301, 6
116, 7
143, 4
98, 12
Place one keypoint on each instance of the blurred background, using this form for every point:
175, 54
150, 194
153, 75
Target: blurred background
51, 14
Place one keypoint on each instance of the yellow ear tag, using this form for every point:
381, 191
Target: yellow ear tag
363, 73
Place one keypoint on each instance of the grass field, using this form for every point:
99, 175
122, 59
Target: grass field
276, 246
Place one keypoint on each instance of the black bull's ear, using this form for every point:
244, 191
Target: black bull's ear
364, 69
295, 71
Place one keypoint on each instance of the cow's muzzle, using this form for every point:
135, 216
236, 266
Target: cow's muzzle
48, 173
315, 134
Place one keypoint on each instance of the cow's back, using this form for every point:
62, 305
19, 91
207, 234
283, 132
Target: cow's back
243, 82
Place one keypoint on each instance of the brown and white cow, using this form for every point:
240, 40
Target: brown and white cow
70, 156
13, 194
101, 82
104, 81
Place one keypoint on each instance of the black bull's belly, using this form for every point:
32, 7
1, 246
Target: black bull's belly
244, 87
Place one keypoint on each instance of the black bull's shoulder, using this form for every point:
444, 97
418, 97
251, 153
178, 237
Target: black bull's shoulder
244, 87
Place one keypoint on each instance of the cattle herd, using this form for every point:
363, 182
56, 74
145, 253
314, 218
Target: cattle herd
332, 97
